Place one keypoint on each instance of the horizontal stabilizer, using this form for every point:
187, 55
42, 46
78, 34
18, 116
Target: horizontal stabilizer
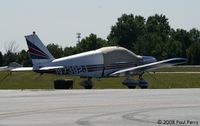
21, 69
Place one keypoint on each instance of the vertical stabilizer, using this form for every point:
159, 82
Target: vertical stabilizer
38, 52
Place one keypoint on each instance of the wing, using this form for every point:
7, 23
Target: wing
151, 66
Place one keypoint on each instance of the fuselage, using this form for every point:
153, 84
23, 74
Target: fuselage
98, 63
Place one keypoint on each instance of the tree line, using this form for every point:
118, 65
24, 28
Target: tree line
152, 36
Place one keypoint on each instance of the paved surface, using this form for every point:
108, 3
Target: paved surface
100, 107
177, 72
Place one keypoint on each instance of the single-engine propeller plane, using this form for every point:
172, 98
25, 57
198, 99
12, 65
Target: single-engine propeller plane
104, 62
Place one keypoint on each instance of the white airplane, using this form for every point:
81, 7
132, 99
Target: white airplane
100, 63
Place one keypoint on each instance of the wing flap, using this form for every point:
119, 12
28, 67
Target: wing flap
152, 66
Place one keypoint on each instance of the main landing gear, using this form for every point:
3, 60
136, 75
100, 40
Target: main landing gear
87, 84
131, 84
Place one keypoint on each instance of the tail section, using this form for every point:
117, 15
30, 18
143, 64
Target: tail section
38, 52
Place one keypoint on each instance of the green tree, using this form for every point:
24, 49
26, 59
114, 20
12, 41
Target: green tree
193, 49
158, 32
183, 37
150, 44
194, 35
1, 59
23, 58
90, 43
9, 57
173, 49
69, 51
193, 53
55, 50
126, 31
158, 24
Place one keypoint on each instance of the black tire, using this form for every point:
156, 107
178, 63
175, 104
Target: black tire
131, 87
63, 84
143, 84
88, 87
143, 87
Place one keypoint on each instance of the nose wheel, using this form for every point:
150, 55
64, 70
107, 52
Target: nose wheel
143, 84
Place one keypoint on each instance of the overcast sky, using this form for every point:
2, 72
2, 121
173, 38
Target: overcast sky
58, 21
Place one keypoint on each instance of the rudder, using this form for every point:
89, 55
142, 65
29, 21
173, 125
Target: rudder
37, 50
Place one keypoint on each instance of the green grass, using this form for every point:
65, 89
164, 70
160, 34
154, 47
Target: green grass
31, 80
180, 69
174, 81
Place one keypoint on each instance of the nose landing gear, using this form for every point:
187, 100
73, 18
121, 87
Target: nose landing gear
143, 84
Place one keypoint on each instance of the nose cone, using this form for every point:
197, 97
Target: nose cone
148, 59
